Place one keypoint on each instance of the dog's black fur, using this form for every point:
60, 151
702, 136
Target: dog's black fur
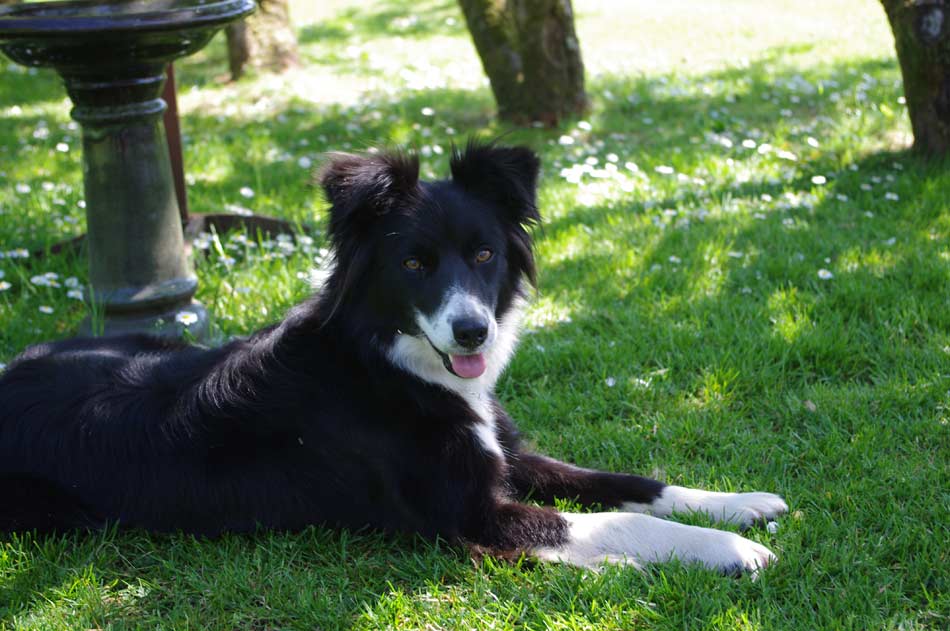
308, 421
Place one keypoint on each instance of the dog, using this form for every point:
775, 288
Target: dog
370, 405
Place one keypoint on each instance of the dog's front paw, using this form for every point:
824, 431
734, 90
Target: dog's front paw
596, 538
742, 509
746, 509
733, 554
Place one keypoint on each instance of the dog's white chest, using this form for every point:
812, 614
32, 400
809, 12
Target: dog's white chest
484, 429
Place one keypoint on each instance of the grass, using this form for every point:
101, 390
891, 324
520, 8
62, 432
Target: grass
760, 301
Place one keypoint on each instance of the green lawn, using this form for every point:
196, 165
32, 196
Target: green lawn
744, 285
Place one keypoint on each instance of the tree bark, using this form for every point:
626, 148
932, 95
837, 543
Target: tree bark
922, 38
532, 57
265, 40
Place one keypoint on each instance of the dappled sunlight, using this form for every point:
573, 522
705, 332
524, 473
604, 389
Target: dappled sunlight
544, 311
789, 314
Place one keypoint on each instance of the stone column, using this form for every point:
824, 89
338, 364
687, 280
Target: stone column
138, 271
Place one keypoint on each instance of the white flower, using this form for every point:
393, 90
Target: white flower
22, 188
304, 162
824, 274
5, 285
247, 191
610, 381
46, 309
665, 170
62, 147
565, 140
675, 260
812, 142
75, 294
748, 143
72, 282
49, 279
427, 111
818, 179
735, 255
891, 196
584, 125
891, 241
772, 527
186, 317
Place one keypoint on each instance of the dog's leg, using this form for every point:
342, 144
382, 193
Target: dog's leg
544, 479
591, 539
595, 538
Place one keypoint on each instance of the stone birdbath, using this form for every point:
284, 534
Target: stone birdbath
111, 55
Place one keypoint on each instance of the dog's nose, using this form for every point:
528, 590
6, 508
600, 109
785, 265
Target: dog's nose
469, 332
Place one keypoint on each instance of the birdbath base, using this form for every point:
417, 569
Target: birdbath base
189, 321
112, 56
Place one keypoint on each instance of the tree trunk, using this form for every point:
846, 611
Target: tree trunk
264, 40
532, 57
922, 38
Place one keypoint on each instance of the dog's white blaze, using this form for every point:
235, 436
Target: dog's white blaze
594, 538
457, 304
416, 355
738, 508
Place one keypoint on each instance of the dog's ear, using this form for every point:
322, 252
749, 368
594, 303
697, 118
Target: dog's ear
507, 176
362, 187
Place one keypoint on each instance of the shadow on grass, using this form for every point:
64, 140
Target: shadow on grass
319, 578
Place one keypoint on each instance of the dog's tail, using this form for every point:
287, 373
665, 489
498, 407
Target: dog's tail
29, 503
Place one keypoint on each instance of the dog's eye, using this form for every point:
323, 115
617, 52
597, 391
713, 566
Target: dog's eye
484, 255
413, 264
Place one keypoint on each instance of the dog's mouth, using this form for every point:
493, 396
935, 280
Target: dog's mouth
469, 366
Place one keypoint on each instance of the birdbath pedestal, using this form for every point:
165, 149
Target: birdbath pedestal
111, 56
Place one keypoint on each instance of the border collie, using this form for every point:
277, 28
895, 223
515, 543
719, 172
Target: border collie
370, 405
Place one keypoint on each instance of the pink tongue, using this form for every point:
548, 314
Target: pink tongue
468, 366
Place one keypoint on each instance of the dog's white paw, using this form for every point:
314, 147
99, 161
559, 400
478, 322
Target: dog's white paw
743, 509
596, 538
733, 554
746, 509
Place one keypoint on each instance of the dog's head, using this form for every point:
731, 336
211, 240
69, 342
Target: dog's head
435, 269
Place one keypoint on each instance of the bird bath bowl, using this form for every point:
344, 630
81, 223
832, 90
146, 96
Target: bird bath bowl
111, 55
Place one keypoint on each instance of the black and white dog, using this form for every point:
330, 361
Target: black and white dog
371, 404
